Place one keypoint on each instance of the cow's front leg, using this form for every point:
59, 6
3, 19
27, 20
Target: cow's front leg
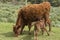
29, 26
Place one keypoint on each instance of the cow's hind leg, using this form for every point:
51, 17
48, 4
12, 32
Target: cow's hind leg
49, 26
49, 23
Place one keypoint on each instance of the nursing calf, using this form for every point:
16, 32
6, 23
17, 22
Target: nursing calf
37, 26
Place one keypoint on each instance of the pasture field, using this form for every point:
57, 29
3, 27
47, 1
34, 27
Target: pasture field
6, 33
8, 16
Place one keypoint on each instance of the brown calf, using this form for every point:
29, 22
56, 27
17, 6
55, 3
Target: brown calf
39, 25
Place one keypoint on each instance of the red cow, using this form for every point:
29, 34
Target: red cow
32, 13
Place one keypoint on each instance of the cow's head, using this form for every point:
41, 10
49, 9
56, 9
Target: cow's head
16, 30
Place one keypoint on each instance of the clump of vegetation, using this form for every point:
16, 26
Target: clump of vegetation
8, 12
55, 16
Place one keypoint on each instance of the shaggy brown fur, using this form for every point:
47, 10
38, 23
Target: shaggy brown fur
32, 13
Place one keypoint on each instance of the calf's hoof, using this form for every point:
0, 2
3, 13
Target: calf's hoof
16, 35
48, 34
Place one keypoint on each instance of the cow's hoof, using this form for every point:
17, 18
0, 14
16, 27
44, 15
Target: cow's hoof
29, 33
50, 30
48, 34
20, 33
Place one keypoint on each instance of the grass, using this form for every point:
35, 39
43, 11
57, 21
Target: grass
8, 13
6, 33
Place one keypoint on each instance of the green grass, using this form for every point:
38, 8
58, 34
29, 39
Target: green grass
6, 33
